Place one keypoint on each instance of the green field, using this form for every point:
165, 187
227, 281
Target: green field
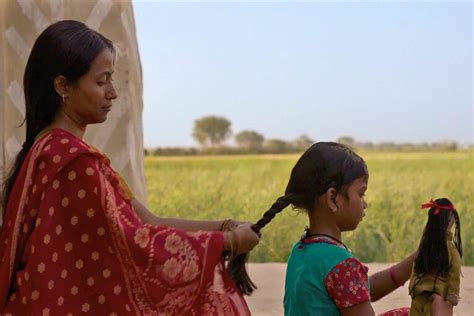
243, 187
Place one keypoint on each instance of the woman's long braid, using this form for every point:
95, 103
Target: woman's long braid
236, 266
15, 169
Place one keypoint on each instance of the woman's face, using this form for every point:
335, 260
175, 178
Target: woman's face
89, 100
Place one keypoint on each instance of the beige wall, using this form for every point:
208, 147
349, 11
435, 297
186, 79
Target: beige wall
121, 136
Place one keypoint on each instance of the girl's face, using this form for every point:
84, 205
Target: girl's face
352, 207
90, 98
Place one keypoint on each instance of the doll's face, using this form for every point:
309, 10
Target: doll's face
451, 221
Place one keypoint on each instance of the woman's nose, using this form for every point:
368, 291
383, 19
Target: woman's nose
112, 93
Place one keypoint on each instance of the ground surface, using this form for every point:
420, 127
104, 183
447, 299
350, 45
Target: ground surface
270, 279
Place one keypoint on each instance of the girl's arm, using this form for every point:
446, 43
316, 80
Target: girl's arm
388, 280
440, 307
357, 310
188, 225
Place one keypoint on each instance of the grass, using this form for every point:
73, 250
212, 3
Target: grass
243, 187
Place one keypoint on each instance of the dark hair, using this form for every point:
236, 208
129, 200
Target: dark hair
323, 166
433, 255
65, 48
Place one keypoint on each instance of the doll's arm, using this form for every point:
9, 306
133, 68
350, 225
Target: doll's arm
454, 275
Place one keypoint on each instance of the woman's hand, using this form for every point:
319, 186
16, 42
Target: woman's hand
241, 239
230, 224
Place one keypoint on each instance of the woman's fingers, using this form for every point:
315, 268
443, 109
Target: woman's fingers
246, 238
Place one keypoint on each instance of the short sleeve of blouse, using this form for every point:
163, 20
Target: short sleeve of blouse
347, 283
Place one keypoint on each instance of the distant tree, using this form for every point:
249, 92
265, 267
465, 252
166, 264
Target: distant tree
346, 140
211, 130
276, 146
249, 140
366, 145
446, 145
303, 142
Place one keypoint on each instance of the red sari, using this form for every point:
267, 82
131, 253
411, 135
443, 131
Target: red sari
71, 243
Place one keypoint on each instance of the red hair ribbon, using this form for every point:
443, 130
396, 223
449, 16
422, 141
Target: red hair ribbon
433, 204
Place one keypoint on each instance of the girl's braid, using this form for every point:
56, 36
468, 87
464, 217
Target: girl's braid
236, 266
280, 204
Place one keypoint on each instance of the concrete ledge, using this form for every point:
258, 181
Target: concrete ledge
270, 279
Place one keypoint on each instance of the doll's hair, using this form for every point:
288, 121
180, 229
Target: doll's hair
323, 166
433, 255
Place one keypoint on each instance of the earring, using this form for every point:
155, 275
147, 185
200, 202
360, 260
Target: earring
64, 98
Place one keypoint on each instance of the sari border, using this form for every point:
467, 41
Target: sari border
134, 284
36, 150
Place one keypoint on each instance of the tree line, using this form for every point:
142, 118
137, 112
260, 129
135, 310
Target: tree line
211, 133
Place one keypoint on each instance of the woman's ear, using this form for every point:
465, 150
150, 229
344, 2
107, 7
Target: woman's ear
330, 197
61, 86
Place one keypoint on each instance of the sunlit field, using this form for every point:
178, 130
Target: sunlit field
243, 187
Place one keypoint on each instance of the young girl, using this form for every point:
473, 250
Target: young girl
437, 265
323, 277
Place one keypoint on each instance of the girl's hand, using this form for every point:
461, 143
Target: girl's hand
453, 299
440, 307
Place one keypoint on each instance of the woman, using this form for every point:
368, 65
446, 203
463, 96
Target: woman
74, 238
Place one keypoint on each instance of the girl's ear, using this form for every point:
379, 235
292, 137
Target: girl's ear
330, 197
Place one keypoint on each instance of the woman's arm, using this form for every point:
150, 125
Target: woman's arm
188, 225
241, 240
382, 283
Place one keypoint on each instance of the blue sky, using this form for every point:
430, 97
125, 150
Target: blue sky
391, 71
